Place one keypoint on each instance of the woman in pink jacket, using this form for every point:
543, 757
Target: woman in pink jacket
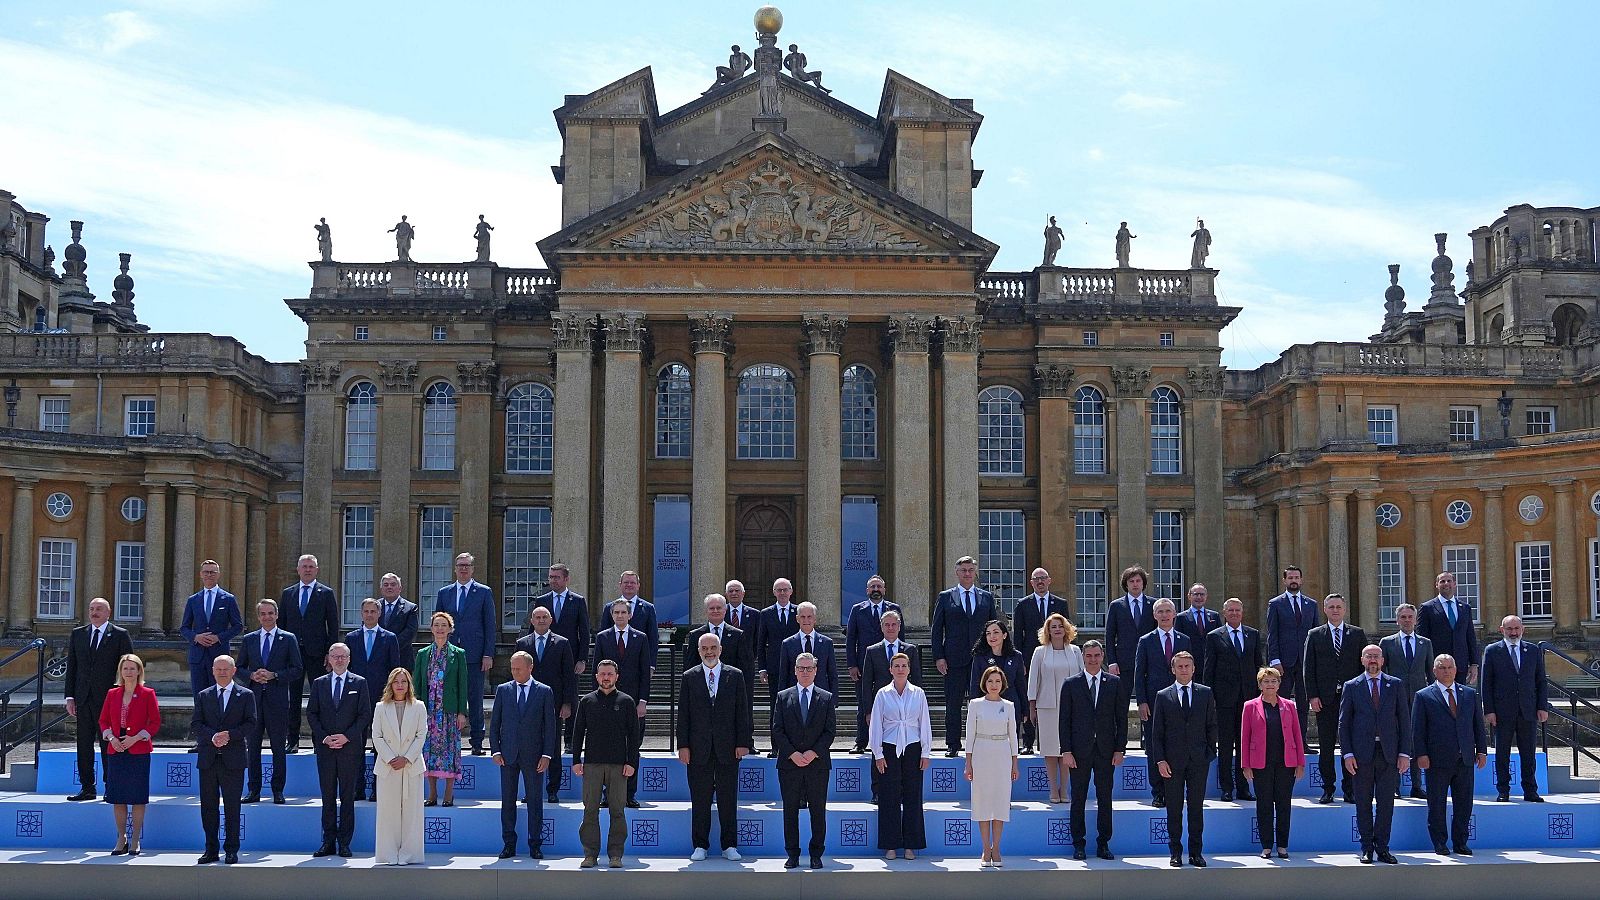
1273, 757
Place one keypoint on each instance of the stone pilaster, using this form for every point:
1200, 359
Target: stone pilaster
1339, 548
824, 339
322, 446
712, 342
912, 476
474, 430
1266, 574
1565, 561
1210, 526
256, 565
571, 453
1495, 585
1305, 549
23, 563
620, 504
1288, 553
1055, 468
959, 395
1367, 559
156, 588
399, 412
238, 561
184, 562
1424, 564
94, 551
1130, 384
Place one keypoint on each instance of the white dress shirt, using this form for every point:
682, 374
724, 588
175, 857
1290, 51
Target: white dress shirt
901, 719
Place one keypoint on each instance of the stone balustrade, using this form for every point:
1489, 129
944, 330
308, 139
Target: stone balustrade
1489, 361
1060, 287
79, 352
473, 280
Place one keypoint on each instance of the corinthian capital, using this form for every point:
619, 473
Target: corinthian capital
1130, 381
398, 376
961, 335
478, 377
711, 333
572, 331
909, 333
824, 333
1054, 380
319, 377
625, 331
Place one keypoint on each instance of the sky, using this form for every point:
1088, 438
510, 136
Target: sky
1320, 142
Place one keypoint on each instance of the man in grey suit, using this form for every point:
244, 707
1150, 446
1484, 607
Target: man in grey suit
1408, 656
522, 737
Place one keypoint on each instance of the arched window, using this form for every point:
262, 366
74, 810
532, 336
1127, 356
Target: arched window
1088, 431
766, 413
1497, 325
999, 431
1166, 432
1569, 320
674, 412
361, 426
530, 429
439, 426
858, 413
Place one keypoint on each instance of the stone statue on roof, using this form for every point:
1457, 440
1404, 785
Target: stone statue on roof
324, 240
795, 64
1202, 245
403, 234
1124, 245
1052, 242
738, 64
482, 235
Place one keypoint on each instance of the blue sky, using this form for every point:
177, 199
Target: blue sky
1319, 141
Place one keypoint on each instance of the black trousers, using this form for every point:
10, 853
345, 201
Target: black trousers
475, 675
808, 784
273, 724
218, 782
89, 741
1274, 800
339, 772
633, 780
1456, 780
718, 781
527, 772
1187, 783
1375, 780
1329, 762
1513, 729
1294, 687
297, 691
1228, 771
955, 705
552, 779
1099, 771
1158, 785
900, 824
863, 701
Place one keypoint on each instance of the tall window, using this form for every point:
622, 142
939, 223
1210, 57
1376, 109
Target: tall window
1000, 444
1463, 423
361, 427
139, 416
1088, 431
1166, 554
1166, 432
530, 429
130, 581
1462, 561
58, 578
439, 427
436, 540
526, 560
1391, 581
1383, 426
766, 413
1535, 597
54, 414
1541, 420
1002, 548
858, 413
1594, 578
1090, 577
355, 566
674, 412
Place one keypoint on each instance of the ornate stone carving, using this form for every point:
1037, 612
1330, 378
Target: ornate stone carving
399, 376
324, 240
795, 65
1204, 381
477, 377
319, 377
961, 334
481, 234
1124, 245
909, 333
624, 332
1053, 380
1202, 245
1052, 242
1130, 381
711, 333
769, 209
404, 233
572, 331
738, 65
824, 333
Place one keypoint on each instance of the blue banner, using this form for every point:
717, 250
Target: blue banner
671, 555
858, 549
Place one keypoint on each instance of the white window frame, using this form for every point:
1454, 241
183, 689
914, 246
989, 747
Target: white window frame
128, 601
1394, 424
357, 545
1594, 578
1002, 432
1391, 568
1003, 548
145, 428
363, 332
58, 420
1532, 413
524, 562
1088, 432
1167, 339
440, 409
1091, 574
56, 580
436, 532
1526, 588
1463, 421
441, 332
1465, 562
1166, 435
361, 429
1091, 338
1162, 580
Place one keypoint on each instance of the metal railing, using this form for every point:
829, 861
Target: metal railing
34, 707
1566, 727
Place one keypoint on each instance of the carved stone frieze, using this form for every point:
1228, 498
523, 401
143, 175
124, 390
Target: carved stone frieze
909, 333
398, 376
961, 334
1130, 381
625, 332
824, 333
1053, 380
711, 333
319, 377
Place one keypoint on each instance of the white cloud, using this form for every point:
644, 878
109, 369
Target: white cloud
1135, 101
109, 34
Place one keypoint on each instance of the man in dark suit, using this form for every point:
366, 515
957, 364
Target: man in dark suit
959, 617
863, 628
270, 659
715, 731
626, 646
211, 621
339, 713
554, 668
1408, 656
748, 620
1233, 657
1152, 672
1290, 615
472, 606
92, 654
569, 617
1516, 701
1449, 622
374, 651
1094, 738
1027, 617
1197, 622
524, 739
875, 672
224, 718
398, 615
1128, 618
1331, 657
738, 649
809, 640
1447, 734
778, 622
641, 615
802, 732
1375, 738
1183, 741
309, 610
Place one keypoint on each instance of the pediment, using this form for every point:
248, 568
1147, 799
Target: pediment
632, 95
904, 98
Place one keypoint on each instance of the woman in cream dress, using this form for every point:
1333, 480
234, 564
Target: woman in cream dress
1055, 660
991, 759
399, 729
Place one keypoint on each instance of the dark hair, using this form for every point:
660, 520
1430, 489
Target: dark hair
1290, 568
1131, 571
981, 648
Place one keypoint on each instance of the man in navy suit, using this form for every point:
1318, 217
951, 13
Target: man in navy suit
211, 621
863, 628
1094, 739
1233, 657
1408, 656
1516, 701
374, 653
1448, 736
569, 616
1128, 618
778, 621
1375, 738
1027, 617
1197, 622
1330, 658
472, 606
625, 645
1290, 616
270, 659
224, 719
524, 739
959, 617
1183, 741
803, 726
1152, 672
809, 640
339, 713
641, 615
747, 619
715, 731
1448, 622
737, 648
552, 667
309, 609
398, 615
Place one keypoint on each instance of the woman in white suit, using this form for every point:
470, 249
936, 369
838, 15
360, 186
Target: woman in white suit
399, 729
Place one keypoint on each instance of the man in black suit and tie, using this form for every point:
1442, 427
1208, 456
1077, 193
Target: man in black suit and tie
1447, 734
863, 628
309, 610
1183, 741
1290, 615
1128, 618
1375, 738
1449, 622
778, 622
748, 620
1408, 656
641, 615
875, 672
397, 615
1027, 617
1094, 738
626, 646
738, 648
92, 654
523, 738
1233, 657
569, 616
802, 732
1152, 671
554, 668
339, 714
715, 731
1331, 657
1197, 622
809, 640
959, 617
224, 718
1516, 701
270, 659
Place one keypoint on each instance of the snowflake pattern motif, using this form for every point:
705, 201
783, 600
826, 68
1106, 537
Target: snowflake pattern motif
1058, 832
1038, 779
653, 779
547, 832
847, 780
179, 775
469, 777
944, 780
958, 832
646, 833
1158, 830
751, 833
436, 830
752, 780
853, 832
566, 778
1134, 778
30, 823
1561, 827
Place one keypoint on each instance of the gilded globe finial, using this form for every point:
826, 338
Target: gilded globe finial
768, 20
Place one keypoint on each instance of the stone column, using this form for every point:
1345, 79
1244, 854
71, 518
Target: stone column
1423, 565
1266, 574
1339, 547
1303, 550
23, 561
1205, 455
1133, 466
239, 557
1566, 562
399, 415
474, 458
1367, 560
570, 453
256, 559
1287, 552
911, 479
184, 563
1056, 548
824, 338
621, 503
1494, 583
322, 445
960, 451
95, 581
156, 588
712, 342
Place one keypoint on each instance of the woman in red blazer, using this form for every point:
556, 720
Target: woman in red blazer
129, 721
1273, 757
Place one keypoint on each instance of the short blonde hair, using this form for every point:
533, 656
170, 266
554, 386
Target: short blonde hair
1044, 630
133, 658
1266, 671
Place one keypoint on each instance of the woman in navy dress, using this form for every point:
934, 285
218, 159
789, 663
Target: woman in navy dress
994, 649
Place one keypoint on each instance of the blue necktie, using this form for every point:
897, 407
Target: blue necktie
369, 644
266, 647
522, 698
540, 648
305, 598
1450, 610
560, 598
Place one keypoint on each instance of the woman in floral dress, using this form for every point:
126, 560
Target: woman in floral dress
440, 678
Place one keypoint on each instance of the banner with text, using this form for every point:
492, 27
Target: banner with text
671, 554
858, 550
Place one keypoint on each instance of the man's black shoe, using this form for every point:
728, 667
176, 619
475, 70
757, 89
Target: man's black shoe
344, 851
535, 853
230, 858
1326, 798
1532, 798
1387, 858
325, 850
210, 856
252, 797
1176, 861
1366, 856
277, 797
951, 754
552, 797
1463, 849
1246, 797
1196, 860
1105, 853
1227, 796
294, 746
1441, 849
816, 862
508, 851
1158, 802
1349, 799
1079, 854
793, 862
634, 804
1502, 797
84, 794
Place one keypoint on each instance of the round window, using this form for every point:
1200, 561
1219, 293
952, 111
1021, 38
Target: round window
1458, 513
1531, 508
133, 509
1388, 515
58, 505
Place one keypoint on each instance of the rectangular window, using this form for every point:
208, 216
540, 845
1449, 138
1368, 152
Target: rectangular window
54, 414
526, 562
1091, 338
139, 416
1382, 425
1166, 554
362, 332
441, 332
435, 549
58, 578
1463, 423
355, 568
1541, 420
130, 581
1002, 553
439, 433
1090, 576
1535, 597
1391, 581
1088, 433
1166, 339
1462, 561
1594, 579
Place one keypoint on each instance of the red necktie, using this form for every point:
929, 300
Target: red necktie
1451, 694
622, 643
1166, 640
1374, 683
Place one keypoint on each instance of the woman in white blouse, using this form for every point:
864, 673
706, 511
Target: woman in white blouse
1054, 661
900, 732
399, 729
